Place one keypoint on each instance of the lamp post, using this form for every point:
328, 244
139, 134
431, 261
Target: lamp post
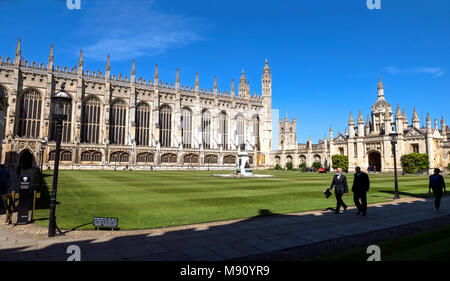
60, 102
394, 151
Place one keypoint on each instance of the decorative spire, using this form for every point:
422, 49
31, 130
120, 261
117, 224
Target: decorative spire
415, 116
398, 114
404, 114
360, 118
266, 67
380, 83
133, 71
380, 90
80, 63
108, 67
351, 122
232, 88
177, 80
156, 77
18, 56
196, 82
368, 121
215, 85
50, 58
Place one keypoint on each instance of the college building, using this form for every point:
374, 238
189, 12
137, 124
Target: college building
121, 122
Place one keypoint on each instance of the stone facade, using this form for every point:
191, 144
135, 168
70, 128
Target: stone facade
120, 122
368, 144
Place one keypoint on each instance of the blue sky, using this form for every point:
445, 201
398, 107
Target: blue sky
325, 56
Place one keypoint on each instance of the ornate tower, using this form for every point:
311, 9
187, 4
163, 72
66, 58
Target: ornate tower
266, 116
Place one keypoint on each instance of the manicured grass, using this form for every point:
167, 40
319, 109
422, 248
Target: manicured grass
432, 245
147, 199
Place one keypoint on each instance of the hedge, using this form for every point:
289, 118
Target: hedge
339, 161
414, 163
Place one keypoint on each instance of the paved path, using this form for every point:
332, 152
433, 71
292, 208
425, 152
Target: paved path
214, 241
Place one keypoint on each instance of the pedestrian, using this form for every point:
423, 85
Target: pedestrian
361, 185
340, 184
437, 184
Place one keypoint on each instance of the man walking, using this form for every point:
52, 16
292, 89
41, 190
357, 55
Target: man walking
437, 183
360, 187
341, 187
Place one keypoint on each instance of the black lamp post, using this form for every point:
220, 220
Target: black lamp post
394, 151
60, 102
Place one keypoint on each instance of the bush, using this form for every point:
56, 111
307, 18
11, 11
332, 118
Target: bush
414, 163
278, 167
289, 165
316, 166
448, 167
302, 167
339, 161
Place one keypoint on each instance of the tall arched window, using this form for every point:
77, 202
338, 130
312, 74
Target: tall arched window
240, 126
186, 127
256, 131
117, 122
223, 129
29, 114
90, 120
66, 125
206, 129
165, 125
143, 114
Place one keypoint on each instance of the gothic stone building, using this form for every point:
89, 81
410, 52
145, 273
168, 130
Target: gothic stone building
120, 122
369, 144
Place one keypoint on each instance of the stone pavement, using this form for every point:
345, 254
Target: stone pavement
214, 241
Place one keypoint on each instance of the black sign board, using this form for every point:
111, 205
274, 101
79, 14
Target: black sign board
102, 222
25, 201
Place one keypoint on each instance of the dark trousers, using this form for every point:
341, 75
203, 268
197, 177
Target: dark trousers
360, 199
437, 197
339, 200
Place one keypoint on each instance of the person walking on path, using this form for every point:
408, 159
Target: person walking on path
361, 185
437, 184
340, 184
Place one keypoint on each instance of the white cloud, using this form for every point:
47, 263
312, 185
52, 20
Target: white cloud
434, 71
132, 29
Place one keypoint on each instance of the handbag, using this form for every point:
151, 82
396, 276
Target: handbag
327, 193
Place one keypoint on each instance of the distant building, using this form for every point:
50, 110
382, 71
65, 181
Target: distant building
369, 144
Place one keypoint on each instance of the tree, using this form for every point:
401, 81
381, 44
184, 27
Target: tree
339, 161
316, 166
278, 167
414, 163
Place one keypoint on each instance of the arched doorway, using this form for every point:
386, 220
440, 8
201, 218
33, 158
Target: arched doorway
26, 160
375, 161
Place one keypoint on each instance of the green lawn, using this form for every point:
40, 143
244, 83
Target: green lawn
148, 199
432, 245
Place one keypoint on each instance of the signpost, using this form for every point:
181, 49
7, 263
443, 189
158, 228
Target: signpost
25, 202
102, 222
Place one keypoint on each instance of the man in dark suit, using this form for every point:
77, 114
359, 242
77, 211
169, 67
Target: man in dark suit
340, 184
437, 184
361, 185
